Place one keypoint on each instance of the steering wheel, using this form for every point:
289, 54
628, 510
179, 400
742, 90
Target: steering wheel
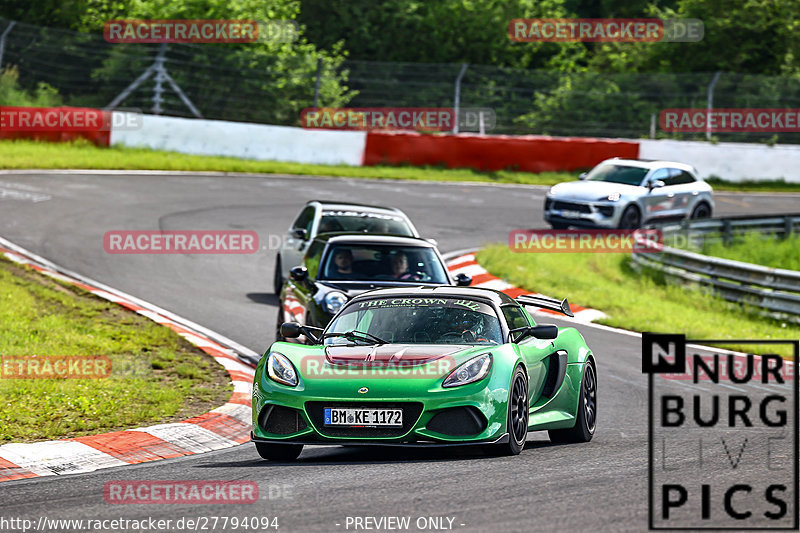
451, 335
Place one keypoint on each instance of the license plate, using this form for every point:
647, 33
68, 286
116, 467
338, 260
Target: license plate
571, 214
335, 416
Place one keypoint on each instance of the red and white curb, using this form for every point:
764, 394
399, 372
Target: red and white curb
466, 264
222, 427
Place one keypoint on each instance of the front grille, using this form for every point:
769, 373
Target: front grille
458, 422
281, 420
411, 413
571, 206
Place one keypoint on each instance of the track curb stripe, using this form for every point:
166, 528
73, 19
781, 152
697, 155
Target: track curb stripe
223, 427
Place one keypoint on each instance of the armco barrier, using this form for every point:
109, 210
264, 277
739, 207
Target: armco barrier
530, 153
774, 290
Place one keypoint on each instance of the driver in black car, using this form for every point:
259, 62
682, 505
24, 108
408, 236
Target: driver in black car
400, 270
342, 266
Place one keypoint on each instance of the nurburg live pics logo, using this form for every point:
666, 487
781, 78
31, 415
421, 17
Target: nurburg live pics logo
722, 435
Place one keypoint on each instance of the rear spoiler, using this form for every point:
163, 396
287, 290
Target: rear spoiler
543, 302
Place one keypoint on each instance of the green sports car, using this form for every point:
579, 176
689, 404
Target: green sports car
426, 366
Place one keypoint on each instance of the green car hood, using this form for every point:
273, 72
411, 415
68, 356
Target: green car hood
391, 354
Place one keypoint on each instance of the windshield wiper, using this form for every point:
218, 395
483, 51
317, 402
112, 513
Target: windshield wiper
355, 335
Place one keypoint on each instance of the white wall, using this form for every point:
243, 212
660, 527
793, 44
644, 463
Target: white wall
729, 161
248, 141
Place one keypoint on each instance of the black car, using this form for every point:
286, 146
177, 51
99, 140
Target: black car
338, 266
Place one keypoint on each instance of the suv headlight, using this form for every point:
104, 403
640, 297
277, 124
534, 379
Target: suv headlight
280, 369
334, 301
613, 197
473, 370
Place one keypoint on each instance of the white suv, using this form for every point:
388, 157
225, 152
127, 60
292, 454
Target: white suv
627, 193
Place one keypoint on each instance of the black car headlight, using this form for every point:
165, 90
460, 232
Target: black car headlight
280, 369
473, 370
334, 301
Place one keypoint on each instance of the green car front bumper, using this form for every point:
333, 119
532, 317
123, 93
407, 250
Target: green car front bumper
475, 413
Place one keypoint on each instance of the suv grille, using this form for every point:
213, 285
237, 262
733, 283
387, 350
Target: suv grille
571, 206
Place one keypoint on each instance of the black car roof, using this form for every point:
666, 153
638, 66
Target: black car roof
329, 204
499, 298
371, 238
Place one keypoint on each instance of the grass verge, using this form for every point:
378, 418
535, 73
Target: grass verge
156, 375
84, 155
23, 154
632, 301
759, 249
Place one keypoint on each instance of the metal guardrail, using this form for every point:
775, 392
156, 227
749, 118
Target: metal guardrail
775, 290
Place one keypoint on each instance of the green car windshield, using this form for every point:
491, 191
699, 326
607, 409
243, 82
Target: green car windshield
419, 320
617, 174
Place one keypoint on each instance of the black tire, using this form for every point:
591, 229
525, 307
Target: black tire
586, 421
278, 452
517, 424
631, 218
559, 225
277, 278
278, 336
701, 210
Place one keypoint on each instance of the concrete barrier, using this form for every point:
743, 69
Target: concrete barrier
246, 141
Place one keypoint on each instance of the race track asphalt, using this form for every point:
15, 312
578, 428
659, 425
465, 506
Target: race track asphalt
600, 486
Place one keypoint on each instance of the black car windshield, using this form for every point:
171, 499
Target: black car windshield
363, 221
617, 174
378, 262
419, 320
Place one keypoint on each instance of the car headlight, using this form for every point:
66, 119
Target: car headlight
473, 370
334, 301
280, 369
613, 197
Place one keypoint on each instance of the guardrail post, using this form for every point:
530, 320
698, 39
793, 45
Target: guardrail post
727, 233
788, 226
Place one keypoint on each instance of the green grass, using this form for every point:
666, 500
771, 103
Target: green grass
156, 375
632, 301
83, 155
23, 154
759, 249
